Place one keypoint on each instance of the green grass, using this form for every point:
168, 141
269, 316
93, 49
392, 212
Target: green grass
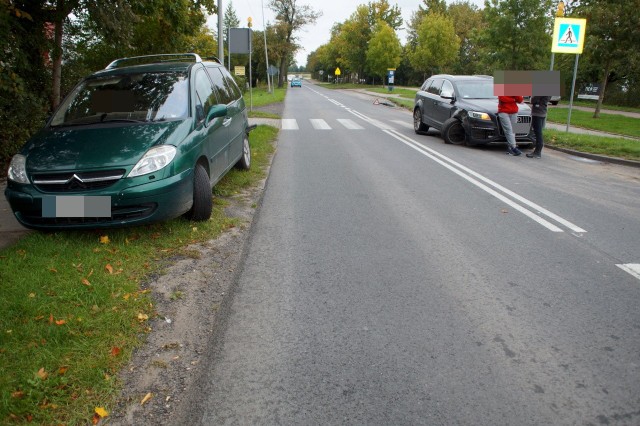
610, 123
261, 97
73, 305
262, 114
592, 104
612, 147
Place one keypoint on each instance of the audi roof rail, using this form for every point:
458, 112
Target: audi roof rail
150, 59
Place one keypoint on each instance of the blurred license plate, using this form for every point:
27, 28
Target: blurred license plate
76, 206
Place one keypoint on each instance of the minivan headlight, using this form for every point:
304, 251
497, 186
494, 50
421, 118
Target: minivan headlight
18, 169
479, 115
153, 160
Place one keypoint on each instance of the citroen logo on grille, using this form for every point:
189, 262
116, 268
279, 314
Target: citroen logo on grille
75, 182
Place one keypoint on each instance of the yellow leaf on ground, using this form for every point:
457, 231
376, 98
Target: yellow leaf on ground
54, 270
86, 282
101, 412
42, 373
109, 268
104, 239
143, 317
32, 295
146, 398
62, 370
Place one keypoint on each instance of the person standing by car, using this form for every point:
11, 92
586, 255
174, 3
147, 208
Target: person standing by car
508, 116
538, 116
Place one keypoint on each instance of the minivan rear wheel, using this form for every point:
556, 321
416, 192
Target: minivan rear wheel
202, 202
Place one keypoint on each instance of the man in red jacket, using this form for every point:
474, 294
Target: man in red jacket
508, 115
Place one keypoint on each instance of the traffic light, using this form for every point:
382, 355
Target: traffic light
249, 22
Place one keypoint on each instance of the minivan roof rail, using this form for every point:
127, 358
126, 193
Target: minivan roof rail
149, 59
212, 58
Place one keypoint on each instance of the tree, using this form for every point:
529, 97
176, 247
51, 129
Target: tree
437, 44
611, 40
517, 34
384, 50
468, 23
290, 18
382, 11
230, 20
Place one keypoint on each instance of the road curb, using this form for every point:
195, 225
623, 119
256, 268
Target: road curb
603, 158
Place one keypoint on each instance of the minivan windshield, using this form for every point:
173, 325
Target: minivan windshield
141, 97
476, 89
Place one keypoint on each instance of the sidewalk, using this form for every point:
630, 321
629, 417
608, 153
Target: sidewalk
10, 228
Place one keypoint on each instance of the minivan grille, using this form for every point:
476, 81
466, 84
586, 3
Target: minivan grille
76, 182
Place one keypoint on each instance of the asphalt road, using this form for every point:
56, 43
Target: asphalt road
392, 279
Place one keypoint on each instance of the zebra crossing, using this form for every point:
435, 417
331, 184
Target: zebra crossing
321, 124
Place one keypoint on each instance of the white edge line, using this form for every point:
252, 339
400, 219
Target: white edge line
550, 226
523, 200
631, 268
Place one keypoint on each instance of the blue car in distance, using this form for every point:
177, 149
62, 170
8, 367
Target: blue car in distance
296, 82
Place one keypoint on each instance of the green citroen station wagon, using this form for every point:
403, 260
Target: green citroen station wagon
141, 141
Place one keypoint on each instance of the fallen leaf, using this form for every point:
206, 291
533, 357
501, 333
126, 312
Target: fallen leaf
50, 318
101, 412
32, 295
104, 239
504, 211
109, 268
86, 282
62, 370
146, 398
17, 394
42, 373
143, 317
115, 351
126, 296
22, 253
90, 273
60, 322
54, 270
95, 419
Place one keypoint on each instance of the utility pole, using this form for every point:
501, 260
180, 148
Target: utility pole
220, 33
266, 55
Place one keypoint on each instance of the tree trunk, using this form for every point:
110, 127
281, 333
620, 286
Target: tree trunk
596, 113
57, 55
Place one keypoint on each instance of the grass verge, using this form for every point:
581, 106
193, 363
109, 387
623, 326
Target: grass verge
73, 305
262, 97
610, 123
612, 147
592, 104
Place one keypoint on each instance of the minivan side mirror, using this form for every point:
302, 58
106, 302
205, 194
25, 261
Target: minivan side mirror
447, 96
216, 111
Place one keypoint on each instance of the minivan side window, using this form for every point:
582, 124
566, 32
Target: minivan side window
224, 94
231, 83
435, 86
205, 97
447, 90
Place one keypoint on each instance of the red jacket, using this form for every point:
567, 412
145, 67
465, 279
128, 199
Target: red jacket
508, 104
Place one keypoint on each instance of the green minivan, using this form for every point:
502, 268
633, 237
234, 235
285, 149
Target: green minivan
141, 141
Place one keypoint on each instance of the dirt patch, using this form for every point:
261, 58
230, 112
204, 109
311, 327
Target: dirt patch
191, 299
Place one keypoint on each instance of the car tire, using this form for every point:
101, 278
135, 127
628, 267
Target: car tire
418, 125
202, 198
554, 102
244, 163
453, 132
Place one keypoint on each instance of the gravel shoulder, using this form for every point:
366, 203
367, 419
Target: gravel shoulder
191, 298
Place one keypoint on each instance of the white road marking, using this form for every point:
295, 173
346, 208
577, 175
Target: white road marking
289, 124
350, 124
319, 124
403, 123
631, 268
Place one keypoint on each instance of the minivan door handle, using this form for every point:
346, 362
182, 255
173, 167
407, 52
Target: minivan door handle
227, 121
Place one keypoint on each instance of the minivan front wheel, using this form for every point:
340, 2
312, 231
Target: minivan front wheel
202, 202
418, 125
453, 132
244, 163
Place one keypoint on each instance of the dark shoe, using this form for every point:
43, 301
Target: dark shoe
513, 151
534, 155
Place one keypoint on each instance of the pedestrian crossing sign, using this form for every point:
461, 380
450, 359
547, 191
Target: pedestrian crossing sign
568, 35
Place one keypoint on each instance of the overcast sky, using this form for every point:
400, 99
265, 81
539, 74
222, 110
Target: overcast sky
312, 37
